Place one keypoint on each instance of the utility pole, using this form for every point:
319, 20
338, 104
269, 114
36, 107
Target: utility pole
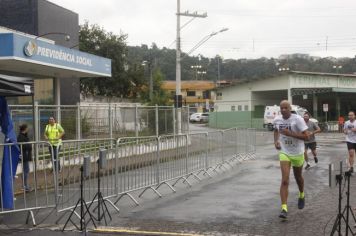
218, 57
178, 97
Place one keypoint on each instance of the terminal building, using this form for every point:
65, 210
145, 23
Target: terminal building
311, 90
34, 43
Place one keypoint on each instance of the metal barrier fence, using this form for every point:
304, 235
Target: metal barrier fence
71, 156
331, 126
132, 164
33, 185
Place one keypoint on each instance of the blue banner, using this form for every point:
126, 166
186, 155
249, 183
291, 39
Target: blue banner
11, 156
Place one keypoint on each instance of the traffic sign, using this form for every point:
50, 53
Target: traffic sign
325, 107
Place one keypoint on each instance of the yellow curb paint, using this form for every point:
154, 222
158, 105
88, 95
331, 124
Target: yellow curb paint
128, 231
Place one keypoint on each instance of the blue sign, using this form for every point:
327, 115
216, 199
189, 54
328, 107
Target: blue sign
19, 47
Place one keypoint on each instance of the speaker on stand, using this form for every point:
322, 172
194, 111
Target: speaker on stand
101, 206
81, 204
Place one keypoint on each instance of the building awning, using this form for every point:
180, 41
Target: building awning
11, 86
308, 91
24, 55
344, 90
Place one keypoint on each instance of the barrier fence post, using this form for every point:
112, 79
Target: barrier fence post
188, 117
136, 117
156, 120
37, 136
186, 154
116, 156
174, 120
237, 143
158, 160
79, 122
110, 121
206, 151
222, 146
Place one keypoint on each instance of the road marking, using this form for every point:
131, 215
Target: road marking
138, 232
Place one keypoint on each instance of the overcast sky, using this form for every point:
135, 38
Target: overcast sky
256, 27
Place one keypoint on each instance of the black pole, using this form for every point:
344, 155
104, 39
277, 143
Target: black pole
99, 219
34, 136
340, 203
81, 197
347, 175
337, 223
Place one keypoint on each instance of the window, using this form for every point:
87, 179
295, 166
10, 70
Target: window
233, 108
246, 108
206, 94
239, 108
219, 94
190, 93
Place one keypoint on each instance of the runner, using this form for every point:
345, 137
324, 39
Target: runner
350, 131
311, 143
289, 135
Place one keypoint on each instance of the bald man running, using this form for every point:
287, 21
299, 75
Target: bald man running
289, 135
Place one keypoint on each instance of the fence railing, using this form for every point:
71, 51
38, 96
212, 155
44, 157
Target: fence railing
102, 120
33, 185
133, 164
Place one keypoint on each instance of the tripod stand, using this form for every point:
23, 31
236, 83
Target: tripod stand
82, 204
101, 202
347, 209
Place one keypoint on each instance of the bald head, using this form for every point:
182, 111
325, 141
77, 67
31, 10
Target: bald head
285, 109
285, 103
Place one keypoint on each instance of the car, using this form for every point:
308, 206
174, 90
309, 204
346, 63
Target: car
195, 117
272, 111
204, 118
199, 117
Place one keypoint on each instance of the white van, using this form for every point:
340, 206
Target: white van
272, 111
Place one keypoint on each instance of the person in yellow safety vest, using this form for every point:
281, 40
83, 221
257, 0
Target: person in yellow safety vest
54, 133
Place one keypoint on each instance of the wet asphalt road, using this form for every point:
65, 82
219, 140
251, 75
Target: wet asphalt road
241, 201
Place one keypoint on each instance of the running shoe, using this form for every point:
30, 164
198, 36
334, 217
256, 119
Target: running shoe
316, 160
283, 214
301, 203
307, 166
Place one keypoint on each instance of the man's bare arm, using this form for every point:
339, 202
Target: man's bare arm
302, 136
318, 130
276, 139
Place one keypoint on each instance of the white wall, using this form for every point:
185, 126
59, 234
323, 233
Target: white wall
241, 94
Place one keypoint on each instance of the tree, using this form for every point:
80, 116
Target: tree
160, 96
124, 81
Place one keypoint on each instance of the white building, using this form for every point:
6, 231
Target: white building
307, 89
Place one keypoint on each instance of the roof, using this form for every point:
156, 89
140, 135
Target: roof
242, 81
322, 73
189, 85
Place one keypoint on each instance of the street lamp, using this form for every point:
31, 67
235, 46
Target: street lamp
178, 97
201, 72
206, 38
66, 36
282, 69
196, 67
148, 64
337, 68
